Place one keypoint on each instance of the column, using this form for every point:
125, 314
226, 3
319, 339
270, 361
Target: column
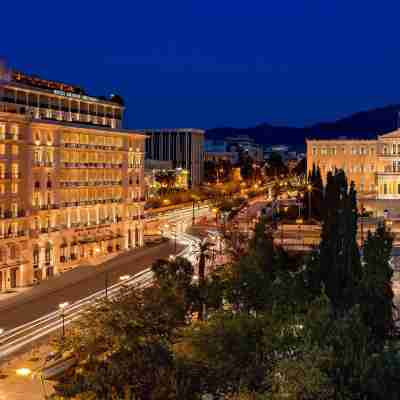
42, 257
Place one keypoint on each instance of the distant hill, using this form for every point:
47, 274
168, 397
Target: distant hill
365, 124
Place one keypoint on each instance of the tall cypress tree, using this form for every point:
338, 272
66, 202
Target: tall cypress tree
339, 253
376, 297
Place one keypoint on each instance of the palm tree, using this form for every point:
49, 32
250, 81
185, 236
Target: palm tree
203, 254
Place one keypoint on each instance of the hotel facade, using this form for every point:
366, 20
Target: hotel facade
71, 179
373, 165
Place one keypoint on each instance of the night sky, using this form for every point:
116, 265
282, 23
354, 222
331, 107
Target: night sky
209, 63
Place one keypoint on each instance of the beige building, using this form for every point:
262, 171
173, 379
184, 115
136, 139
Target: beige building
373, 165
71, 183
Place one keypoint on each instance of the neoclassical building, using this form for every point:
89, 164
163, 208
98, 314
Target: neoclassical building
373, 165
71, 180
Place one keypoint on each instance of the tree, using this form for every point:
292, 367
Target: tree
275, 166
203, 255
376, 299
339, 253
122, 350
246, 166
174, 279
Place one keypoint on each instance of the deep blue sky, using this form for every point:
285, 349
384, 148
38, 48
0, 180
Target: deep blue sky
207, 63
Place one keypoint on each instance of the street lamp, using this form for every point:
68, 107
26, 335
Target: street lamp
106, 283
62, 307
309, 190
23, 371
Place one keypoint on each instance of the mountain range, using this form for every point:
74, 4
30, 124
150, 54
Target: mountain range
365, 124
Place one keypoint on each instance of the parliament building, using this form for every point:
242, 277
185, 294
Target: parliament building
373, 165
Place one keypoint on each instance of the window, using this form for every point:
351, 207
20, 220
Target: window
354, 151
394, 147
385, 150
14, 170
14, 131
14, 187
344, 150
14, 149
324, 151
372, 151
384, 188
363, 151
2, 131
362, 168
2, 148
371, 187
372, 167
361, 187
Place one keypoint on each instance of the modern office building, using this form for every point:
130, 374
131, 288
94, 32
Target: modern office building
246, 144
373, 165
217, 150
184, 147
71, 180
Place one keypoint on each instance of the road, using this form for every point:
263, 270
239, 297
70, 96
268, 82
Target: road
16, 338
75, 285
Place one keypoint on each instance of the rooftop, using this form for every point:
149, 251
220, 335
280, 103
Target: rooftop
55, 87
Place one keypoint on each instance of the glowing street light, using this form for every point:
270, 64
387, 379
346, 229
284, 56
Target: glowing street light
124, 278
62, 307
23, 371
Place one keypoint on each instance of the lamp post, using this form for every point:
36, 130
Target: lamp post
309, 190
106, 283
62, 307
193, 214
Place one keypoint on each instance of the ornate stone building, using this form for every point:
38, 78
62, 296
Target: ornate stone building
373, 165
71, 180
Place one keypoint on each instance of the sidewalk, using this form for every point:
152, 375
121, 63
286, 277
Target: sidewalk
15, 387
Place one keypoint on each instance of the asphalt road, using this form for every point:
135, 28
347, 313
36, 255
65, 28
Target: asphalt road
76, 284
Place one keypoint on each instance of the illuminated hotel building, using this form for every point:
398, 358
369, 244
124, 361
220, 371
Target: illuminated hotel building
183, 147
71, 179
373, 165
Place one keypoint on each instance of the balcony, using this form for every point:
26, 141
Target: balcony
7, 214
49, 207
46, 164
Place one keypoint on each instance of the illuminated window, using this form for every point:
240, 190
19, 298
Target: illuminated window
14, 131
14, 170
2, 131
2, 148
14, 149
354, 151
14, 187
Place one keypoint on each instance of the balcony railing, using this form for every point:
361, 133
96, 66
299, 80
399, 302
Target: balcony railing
90, 183
91, 165
7, 214
92, 146
89, 202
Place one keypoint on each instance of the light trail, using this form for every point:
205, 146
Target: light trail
17, 338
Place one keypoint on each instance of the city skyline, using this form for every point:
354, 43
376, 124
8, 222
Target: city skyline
219, 64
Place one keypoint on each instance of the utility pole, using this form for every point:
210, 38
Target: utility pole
106, 284
362, 224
